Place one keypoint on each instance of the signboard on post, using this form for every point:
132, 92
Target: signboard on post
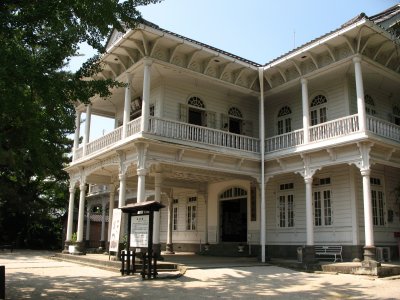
139, 231
115, 229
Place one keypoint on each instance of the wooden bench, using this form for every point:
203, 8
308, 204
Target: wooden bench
331, 250
6, 246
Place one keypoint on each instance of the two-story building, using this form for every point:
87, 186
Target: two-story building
301, 151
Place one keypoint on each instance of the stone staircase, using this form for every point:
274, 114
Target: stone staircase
228, 250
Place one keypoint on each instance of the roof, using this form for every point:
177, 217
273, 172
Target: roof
142, 206
377, 19
386, 14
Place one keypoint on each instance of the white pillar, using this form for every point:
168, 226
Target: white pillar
77, 133
206, 219
110, 209
103, 220
70, 222
170, 248
362, 117
81, 212
369, 229
306, 110
88, 208
122, 190
144, 123
262, 175
157, 197
127, 105
141, 185
309, 212
87, 127
354, 207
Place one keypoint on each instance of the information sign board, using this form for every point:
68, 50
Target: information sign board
115, 229
139, 231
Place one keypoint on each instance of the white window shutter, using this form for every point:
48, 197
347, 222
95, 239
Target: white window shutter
248, 128
183, 112
211, 119
224, 122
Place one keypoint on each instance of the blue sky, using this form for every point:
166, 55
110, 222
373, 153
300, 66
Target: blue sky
258, 30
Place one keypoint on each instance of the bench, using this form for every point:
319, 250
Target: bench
331, 250
6, 246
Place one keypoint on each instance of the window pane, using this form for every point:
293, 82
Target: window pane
317, 209
290, 211
280, 127
314, 118
374, 208
327, 208
322, 115
380, 205
288, 123
282, 215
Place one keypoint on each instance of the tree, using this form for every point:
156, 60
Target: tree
36, 105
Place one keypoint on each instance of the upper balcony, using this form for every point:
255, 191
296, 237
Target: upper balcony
342, 129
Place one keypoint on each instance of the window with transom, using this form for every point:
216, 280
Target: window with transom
191, 213
285, 205
235, 120
378, 203
284, 120
196, 111
323, 212
318, 110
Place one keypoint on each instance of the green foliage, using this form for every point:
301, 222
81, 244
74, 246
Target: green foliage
36, 108
74, 238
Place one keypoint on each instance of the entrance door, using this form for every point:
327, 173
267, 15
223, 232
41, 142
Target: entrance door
234, 220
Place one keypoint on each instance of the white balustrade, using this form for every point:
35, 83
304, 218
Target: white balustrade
335, 128
383, 128
134, 126
106, 140
284, 141
204, 135
214, 137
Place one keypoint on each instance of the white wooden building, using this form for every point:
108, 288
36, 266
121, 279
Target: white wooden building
301, 151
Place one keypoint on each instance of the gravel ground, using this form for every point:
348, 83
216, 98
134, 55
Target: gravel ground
32, 275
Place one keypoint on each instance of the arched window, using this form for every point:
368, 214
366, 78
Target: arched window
318, 110
196, 111
369, 105
235, 120
284, 120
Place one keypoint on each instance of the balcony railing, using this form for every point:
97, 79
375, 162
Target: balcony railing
284, 141
335, 128
383, 128
208, 136
104, 141
214, 137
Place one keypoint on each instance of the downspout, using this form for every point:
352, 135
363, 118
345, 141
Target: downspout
262, 150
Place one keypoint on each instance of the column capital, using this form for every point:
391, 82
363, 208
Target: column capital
82, 186
357, 59
147, 61
365, 172
122, 177
72, 189
308, 179
304, 81
141, 172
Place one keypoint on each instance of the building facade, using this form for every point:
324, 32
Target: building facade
302, 151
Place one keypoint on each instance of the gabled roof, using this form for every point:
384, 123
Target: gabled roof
377, 19
145, 23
